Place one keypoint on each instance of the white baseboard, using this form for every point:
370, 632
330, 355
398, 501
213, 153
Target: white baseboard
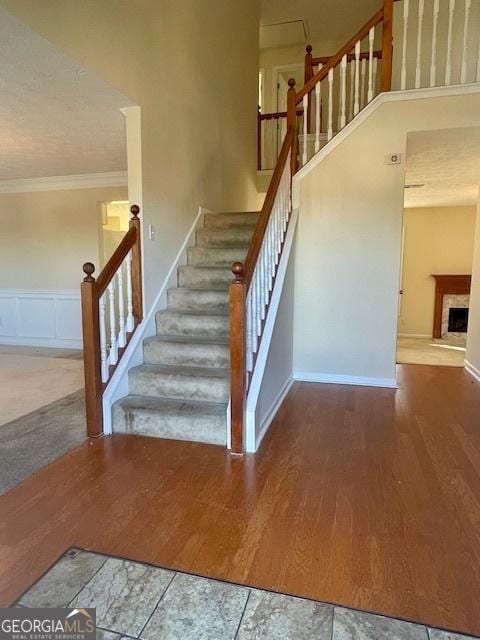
118, 384
415, 335
472, 370
271, 413
333, 378
40, 318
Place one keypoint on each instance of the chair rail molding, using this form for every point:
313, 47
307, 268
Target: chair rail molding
65, 183
40, 318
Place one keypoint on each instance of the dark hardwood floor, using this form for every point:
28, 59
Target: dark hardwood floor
364, 497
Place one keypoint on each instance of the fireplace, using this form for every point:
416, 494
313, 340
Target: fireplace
452, 299
457, 320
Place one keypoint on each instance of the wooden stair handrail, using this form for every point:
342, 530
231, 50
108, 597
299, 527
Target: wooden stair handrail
276, 115
261, 226
91, 292
345, 50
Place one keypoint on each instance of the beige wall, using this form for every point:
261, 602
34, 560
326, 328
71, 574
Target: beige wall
47, 236
348, 244
437, 241
192, 67
472, 356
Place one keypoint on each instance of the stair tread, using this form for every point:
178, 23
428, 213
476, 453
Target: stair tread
214, 288
177, 312
188, 339
181, 370
172, 406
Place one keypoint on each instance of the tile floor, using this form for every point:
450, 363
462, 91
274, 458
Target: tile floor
135, 600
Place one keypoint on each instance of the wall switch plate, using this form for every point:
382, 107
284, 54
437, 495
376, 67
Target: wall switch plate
151, 232
393, 158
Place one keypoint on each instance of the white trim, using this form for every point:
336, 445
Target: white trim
54, 323
118, 384
472, 370
54, 343
252, 441
272, 412
382, 98
333, 378
60, 183
415, 335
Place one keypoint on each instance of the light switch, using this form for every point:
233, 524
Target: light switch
151, 232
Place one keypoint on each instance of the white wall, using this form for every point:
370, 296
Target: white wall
472, 357
349, 236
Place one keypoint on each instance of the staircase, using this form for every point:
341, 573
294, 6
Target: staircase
182, 389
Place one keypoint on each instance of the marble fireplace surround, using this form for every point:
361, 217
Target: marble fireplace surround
457, 288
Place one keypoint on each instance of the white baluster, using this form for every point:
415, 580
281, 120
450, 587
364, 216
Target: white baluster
305, 129
371, 38
375, 70
403, 76
433, 65
478, 62
330, 105
448, 66
343, 96
318, 105
463, 75
103, 340
418, 68
249, 333
113, 355
130, 318
363, 83
356, 106
352, 88
122, 336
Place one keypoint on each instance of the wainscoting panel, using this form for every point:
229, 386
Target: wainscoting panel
40, 318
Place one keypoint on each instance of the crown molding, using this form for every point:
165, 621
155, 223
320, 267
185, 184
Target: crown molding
59, 183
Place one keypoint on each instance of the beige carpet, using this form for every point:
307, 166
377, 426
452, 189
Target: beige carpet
428, 351
31, 378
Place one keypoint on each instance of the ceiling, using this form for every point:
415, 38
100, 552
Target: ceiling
447, 163
56, 118
326, 20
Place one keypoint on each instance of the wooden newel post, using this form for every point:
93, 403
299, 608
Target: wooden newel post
387, 46
292, 121
91, 353
308, 76
137, 298
237, 357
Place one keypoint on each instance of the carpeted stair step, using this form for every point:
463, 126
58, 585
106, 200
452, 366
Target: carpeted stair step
216, 257
227, 237
173, 419
180, 383
222, 220
207, 300
204, 277
187, 351
178, 323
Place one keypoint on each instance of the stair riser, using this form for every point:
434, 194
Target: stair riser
216, 257
188, 300
224, 237
204, 277
228, 220
157, 385
210, 430
198, 326
187, 354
